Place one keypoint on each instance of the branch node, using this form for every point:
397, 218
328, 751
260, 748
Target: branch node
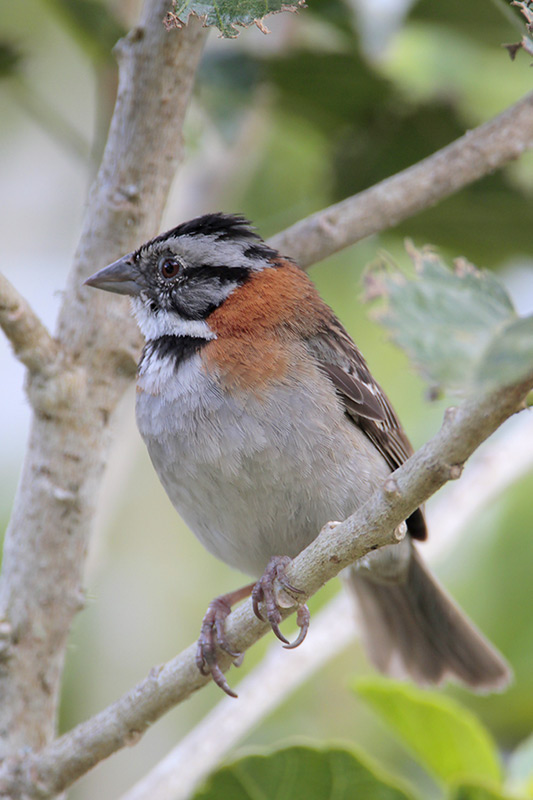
454, 471
330, 526
391, 488
400, 532
450, 414
132, 737
61, 390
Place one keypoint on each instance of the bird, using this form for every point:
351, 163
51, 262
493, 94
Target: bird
263, 423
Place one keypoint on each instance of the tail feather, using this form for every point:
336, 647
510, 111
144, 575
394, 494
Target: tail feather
414, 629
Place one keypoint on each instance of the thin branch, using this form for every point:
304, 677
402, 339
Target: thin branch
58, 765
494, 467
32, 344
279, 673
476, 154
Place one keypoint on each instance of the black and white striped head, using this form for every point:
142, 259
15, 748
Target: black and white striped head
177, 279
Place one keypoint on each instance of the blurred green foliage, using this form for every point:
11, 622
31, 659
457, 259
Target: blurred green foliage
444, 737
93, 24
10, 59
520, 768
374, 118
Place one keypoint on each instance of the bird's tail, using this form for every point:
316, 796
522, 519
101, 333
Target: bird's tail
414, 629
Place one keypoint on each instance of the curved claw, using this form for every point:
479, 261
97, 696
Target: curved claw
302, 619
220, 680
257, 596
213, 635
264, 591
278, 633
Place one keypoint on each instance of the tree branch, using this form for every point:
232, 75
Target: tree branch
32, 344
47, 538
280, 672
494, 467
476, 154
464, 428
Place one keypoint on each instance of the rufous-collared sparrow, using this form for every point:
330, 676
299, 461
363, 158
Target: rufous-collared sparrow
263, 423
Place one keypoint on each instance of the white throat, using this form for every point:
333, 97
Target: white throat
163, 323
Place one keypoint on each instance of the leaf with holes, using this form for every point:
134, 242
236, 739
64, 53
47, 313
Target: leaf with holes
458, 326
227, 15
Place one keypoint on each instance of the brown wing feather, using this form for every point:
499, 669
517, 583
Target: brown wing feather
365, 401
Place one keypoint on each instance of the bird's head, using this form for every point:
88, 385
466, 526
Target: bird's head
179, 278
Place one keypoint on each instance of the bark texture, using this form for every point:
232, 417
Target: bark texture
74, 390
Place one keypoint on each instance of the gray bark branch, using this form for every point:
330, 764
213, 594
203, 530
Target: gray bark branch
32, 343
464, 428
47, 538
474, 155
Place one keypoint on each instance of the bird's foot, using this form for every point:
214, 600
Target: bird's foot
274, 590
213, 635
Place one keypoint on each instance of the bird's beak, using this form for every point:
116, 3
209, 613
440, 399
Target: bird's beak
121, 276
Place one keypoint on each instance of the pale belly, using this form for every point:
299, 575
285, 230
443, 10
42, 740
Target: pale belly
255, 477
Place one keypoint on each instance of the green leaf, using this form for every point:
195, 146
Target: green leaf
458, 326
508, 356
447, 739
226, 15
300, 773
520, 768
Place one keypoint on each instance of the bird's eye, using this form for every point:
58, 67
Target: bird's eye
169, 267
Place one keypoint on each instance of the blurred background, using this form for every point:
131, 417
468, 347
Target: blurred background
337, 97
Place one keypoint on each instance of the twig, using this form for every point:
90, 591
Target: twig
496, 465
58, 765
477, 153
32, 344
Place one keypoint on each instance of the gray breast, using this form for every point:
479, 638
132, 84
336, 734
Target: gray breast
253, 476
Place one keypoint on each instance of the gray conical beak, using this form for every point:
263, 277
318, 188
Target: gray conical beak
121, 276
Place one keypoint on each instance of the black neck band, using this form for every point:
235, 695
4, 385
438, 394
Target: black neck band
178, 348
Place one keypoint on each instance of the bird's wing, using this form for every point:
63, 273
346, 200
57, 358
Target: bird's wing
365, 402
